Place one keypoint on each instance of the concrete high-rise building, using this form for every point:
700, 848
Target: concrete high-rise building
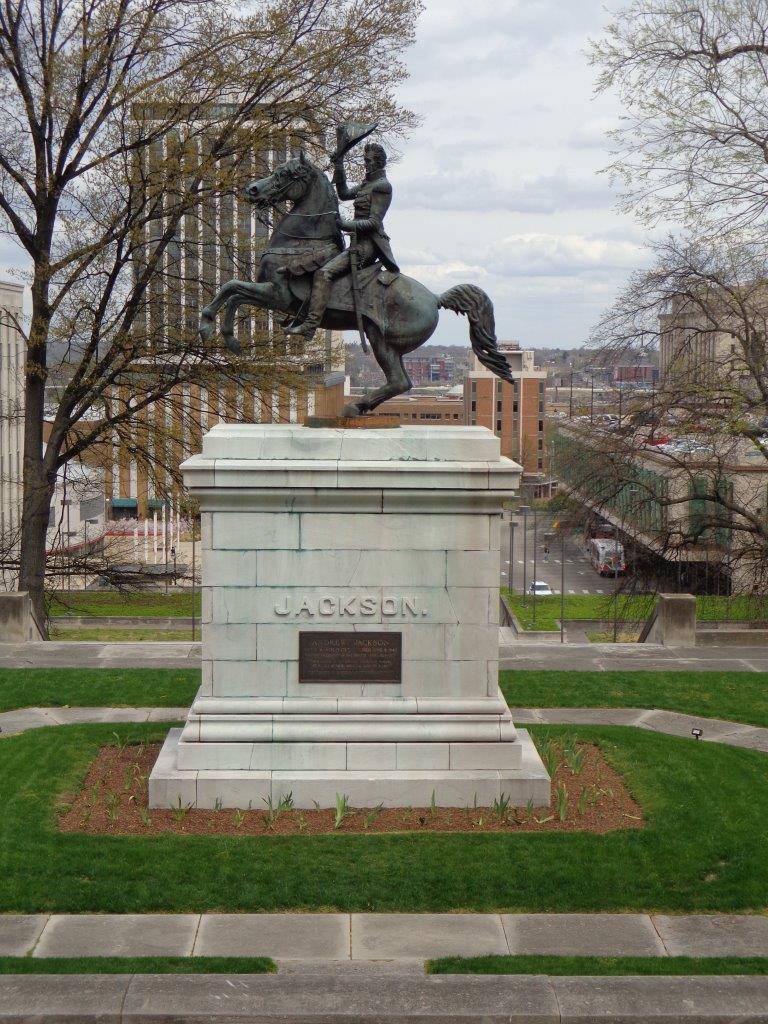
215, 242
11, 411
514, 412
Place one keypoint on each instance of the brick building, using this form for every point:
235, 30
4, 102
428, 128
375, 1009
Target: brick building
514, 412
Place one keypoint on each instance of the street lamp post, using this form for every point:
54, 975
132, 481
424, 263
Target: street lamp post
535, 538
510, 577
525, 509
562, 585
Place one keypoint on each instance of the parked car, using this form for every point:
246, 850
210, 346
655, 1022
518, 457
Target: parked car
540, 589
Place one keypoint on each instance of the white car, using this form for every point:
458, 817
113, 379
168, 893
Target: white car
540, 589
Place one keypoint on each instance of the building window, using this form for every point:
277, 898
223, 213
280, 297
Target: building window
498, 407
498, 426
541, 445
540, 464
514, 407
474, 407
541, 407
473, 386
541, 426
541, 387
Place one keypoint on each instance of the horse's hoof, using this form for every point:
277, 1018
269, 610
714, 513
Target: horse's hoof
353, 409
206, 328
232, 344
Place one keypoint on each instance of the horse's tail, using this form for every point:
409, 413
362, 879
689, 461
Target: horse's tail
478, 308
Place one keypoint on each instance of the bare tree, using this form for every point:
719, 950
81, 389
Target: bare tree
691, 152
126, 128
693, 79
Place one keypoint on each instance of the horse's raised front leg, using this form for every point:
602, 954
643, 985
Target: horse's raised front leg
264, 296
208, 314
398, 381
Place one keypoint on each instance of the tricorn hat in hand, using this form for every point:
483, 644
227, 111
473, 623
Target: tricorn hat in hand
348, 135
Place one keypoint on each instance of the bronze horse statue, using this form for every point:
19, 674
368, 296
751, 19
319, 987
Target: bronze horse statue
409, 311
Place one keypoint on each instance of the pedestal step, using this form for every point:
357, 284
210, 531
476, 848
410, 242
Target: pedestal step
247, 787
347, 756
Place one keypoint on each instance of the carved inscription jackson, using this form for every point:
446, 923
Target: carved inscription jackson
330, 606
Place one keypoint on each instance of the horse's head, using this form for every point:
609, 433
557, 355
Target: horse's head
288, 181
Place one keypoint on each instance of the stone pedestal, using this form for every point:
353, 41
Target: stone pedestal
350, 623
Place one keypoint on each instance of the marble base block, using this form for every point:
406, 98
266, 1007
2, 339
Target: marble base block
350, 622
321, 780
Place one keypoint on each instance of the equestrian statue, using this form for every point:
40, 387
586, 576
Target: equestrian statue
308, 274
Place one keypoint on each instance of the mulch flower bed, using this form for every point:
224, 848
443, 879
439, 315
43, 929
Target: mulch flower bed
588, 795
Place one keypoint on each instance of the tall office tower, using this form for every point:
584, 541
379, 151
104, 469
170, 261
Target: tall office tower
220, 239
11, 418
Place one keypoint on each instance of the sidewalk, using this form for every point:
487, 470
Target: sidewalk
672, 723
528, 656
366, 939
376, 999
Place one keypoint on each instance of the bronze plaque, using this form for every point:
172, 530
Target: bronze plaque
350, 657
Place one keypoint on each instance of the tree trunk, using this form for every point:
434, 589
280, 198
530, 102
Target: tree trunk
39, 479
38, 493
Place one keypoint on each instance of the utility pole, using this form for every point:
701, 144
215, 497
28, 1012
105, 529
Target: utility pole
570, 399
592, 398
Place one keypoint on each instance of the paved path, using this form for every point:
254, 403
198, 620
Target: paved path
14, 722
85, 654
672, 723
551, 655
530, 654
388, 999
407, 939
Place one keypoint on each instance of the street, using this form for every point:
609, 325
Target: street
580, 577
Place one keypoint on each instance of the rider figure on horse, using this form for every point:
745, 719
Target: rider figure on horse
372, 198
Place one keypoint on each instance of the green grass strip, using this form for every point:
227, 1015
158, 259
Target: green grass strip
631, 608
598, 965
123, 635
702, 849
97, 687
146, 604
734, 696
137, 965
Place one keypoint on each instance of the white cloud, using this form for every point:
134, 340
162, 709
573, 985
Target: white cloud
500, 184
475, 190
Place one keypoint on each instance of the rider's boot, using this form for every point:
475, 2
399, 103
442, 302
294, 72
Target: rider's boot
321, 293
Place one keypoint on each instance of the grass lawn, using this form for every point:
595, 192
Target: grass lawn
143, 604
636, 608
598, 965
137, 965
704, 847
97, 687
735, 696
114, 634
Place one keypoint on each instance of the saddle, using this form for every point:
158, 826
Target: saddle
372, 280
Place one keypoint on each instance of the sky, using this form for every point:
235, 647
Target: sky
499, 186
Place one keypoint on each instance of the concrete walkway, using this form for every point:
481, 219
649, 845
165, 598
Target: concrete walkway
531, 655
370, 939
551, 656
14, 722
672, 723
389, 999
87, 654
